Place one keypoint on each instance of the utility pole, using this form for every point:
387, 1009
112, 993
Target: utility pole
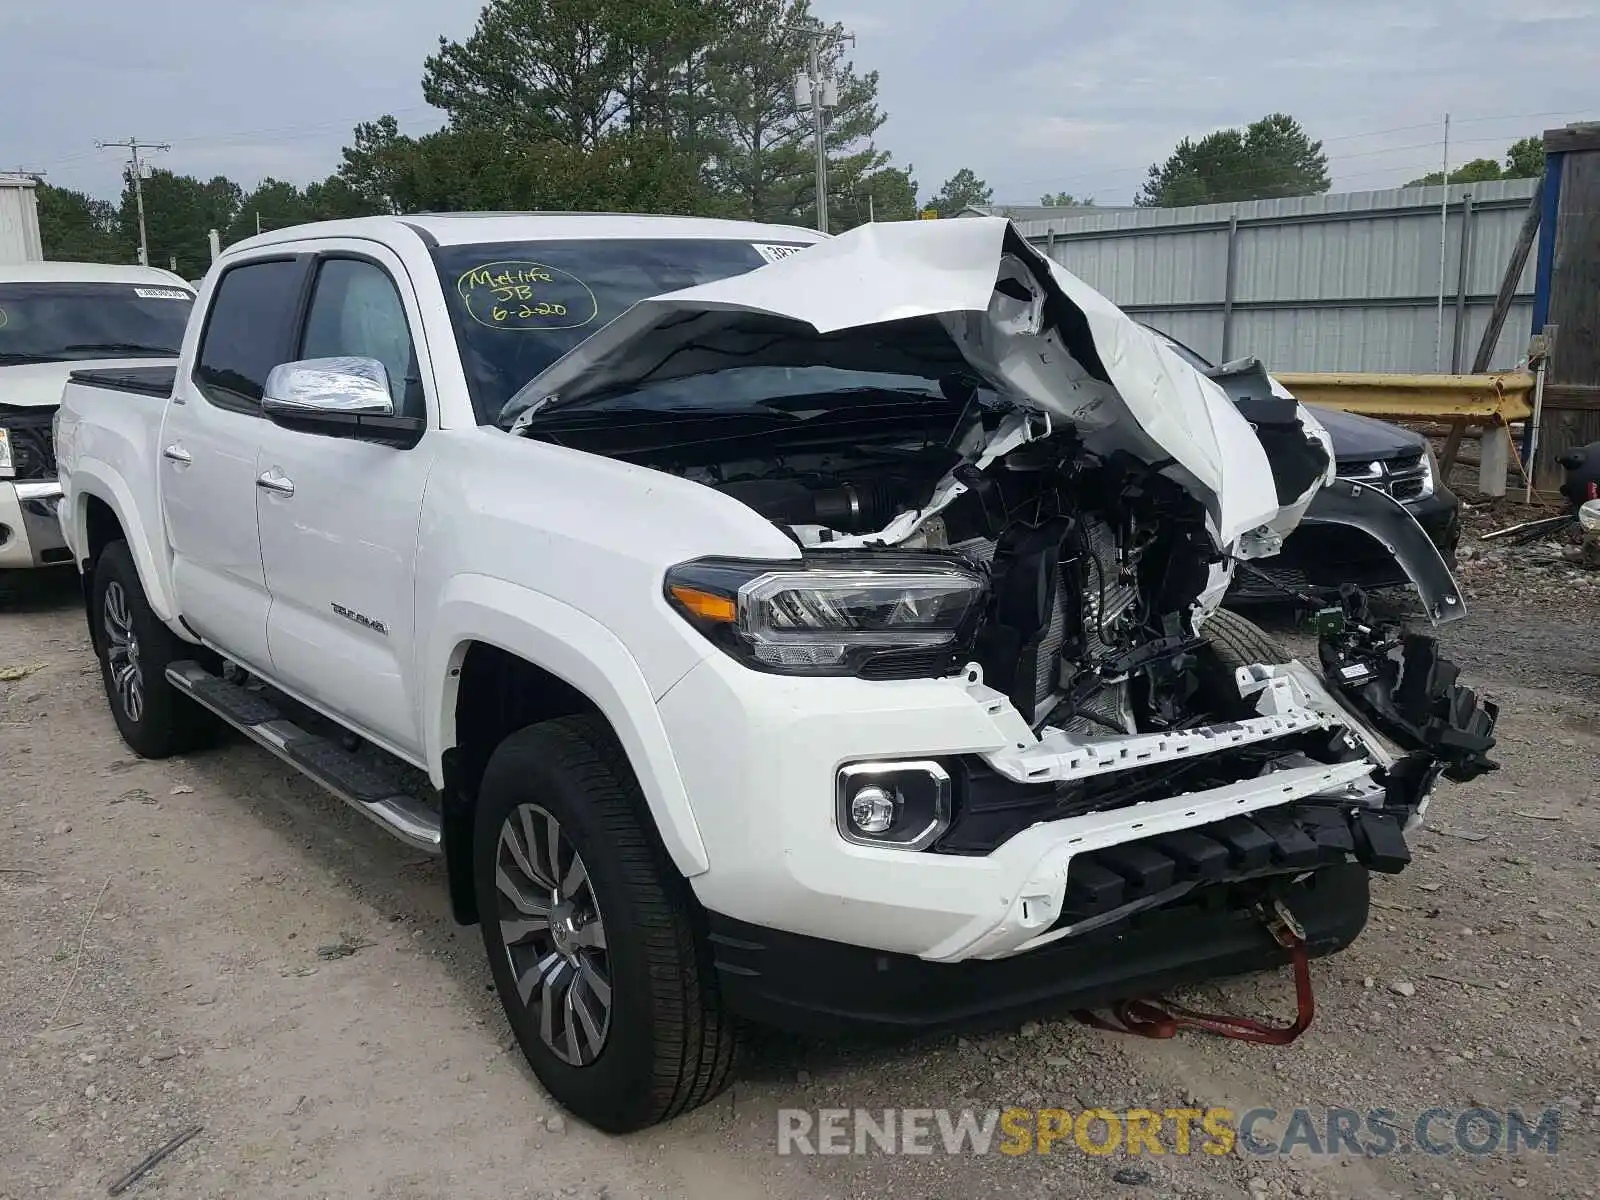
133, 146
821, 94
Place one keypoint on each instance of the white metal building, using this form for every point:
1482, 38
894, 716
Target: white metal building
19, 221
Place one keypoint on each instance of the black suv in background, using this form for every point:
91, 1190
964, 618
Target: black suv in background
1318, 557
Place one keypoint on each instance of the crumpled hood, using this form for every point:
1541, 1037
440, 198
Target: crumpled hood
1040, 336
39, 385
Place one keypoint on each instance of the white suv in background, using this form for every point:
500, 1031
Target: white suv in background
55, 317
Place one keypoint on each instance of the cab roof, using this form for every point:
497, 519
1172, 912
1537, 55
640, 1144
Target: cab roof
455, 229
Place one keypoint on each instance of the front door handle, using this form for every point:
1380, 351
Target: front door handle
273, 482
177, 454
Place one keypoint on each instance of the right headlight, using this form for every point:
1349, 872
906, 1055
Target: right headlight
7, 470
830, 613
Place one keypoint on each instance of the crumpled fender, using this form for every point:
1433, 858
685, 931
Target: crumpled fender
1381, 516
1412, 693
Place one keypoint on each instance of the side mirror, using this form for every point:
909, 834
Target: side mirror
340, 397
349, 386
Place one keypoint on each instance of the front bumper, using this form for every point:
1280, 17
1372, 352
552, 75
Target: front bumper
759, 755
30, 530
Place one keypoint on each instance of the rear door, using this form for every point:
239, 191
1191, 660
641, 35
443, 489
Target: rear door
210, 440
338, 515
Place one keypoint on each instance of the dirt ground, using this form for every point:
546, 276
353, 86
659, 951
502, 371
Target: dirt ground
210, 941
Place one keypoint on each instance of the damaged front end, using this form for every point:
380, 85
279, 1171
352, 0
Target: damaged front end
992, 475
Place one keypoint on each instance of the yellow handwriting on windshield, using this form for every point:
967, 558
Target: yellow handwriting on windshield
524, 296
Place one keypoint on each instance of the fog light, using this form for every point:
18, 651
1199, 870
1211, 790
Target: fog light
872, 810
895, 805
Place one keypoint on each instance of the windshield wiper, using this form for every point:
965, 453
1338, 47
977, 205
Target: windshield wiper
124, 348
581, 413
851, 397
12, 360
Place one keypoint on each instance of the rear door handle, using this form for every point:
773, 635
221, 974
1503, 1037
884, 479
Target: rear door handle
177, 454
273, 482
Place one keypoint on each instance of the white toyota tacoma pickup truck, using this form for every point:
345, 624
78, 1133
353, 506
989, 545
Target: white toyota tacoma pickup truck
816, 631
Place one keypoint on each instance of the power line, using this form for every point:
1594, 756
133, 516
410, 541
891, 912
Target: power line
1088, 182
291, 133
133, 145
1101, 178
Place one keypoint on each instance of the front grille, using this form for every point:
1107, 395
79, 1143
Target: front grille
1404, 477
33, 451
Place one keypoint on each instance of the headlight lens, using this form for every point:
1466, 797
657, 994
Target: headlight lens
829, 614
1430, 472
6, 469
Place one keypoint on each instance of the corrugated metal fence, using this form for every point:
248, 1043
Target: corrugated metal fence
1341, 282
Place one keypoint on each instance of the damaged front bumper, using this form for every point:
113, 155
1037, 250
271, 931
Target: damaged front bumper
1317, 789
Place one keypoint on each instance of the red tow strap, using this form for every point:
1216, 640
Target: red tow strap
1162, 1018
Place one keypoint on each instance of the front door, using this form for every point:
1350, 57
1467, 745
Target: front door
210, 440
338, 516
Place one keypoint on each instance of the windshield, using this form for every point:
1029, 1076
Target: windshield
65, 321
518, 306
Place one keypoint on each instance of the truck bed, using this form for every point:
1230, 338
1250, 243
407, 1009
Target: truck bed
155, 380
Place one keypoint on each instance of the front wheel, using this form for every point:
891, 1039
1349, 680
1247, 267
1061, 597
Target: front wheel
1232, 642
590, 932
135, 649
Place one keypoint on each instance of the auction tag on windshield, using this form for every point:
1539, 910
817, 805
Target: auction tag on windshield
773, 251
521, 296
162, 294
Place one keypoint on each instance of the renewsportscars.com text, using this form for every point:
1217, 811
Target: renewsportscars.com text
1258, 1132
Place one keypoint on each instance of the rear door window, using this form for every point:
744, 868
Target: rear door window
249, 330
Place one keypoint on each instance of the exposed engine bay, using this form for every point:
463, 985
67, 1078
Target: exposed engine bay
1102, 488
1096, 566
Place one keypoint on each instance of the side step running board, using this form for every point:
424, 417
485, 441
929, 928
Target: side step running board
370, 791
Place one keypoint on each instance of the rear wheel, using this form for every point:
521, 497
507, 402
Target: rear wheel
590, 932
135, 649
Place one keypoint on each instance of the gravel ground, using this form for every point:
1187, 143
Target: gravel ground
210, 941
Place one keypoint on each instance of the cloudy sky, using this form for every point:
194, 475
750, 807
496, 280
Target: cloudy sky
1034, 95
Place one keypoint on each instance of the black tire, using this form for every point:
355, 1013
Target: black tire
1237, 641
1234, 642
163, 721
666, 1047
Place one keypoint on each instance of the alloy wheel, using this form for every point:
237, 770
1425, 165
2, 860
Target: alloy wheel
122, 652
553, 934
